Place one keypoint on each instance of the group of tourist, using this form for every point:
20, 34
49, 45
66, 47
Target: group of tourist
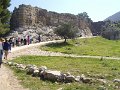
6, 44
19, 41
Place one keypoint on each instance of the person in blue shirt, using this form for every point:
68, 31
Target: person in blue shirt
6, 48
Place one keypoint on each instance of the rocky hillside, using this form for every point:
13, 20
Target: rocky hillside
115, 17
28, 20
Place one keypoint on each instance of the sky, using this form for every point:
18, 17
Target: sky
97, 10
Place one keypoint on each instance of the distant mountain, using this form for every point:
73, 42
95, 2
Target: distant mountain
114, 17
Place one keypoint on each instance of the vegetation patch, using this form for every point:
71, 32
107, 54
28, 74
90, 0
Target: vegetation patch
93, 68
97, 46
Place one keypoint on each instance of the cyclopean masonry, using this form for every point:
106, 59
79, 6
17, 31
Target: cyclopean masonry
28, 20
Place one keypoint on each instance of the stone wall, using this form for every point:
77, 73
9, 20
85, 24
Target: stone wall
97, 27
34, 20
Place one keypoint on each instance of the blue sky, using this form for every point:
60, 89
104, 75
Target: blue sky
97, 10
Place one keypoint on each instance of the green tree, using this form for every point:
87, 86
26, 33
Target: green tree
67, 31
84, 16
111, 30
4, 16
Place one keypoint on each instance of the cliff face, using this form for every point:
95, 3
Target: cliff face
40, 21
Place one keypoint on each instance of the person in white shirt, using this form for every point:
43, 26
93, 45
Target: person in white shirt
1, 51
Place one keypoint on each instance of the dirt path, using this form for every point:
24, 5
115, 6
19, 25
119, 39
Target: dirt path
8, 81
36, 51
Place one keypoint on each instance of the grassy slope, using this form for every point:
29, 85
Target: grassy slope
76, 66
97, 46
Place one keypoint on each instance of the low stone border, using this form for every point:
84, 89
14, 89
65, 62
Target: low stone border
52, 75
56, 76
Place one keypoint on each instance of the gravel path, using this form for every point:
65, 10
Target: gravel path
36, 51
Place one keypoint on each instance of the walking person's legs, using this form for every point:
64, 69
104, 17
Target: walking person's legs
6, 54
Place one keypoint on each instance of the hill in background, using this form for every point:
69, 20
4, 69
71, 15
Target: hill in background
115, 17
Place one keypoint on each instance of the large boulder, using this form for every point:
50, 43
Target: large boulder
35, 73
42, 68
116, 80
20, 66
69, 79
31, 68
10, 63
51, 75
77, 78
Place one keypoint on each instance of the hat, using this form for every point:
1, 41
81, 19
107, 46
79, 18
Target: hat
1, 39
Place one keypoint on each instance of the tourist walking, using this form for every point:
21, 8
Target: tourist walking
13, 42
25, 41
21, 41
39, 38
1, 51
6, 47
16, 41
28, 40
10, 43
31, 39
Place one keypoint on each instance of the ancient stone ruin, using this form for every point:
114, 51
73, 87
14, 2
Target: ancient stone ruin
34, 21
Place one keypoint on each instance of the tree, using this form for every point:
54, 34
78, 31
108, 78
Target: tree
3, 29
84, 16
4, 16
111, 30
67, 31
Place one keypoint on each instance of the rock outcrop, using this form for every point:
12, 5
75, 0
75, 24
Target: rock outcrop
28, 20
